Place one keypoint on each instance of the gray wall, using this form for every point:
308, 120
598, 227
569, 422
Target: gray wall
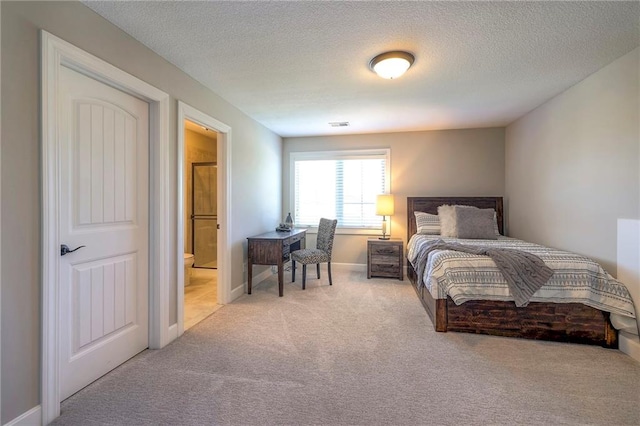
432, 163
573, 164
256, 169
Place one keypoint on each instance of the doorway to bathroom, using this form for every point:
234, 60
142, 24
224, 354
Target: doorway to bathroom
201, 223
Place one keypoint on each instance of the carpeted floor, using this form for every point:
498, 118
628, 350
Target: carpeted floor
361, 352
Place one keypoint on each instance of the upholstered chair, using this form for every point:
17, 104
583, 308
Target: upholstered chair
318, 255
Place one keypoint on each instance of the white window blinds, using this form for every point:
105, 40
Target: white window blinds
341, 185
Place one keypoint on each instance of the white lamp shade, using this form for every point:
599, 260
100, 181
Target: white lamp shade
384, 205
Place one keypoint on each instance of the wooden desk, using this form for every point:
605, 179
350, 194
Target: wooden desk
273, 248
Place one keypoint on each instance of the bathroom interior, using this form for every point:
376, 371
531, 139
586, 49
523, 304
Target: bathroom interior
200, 222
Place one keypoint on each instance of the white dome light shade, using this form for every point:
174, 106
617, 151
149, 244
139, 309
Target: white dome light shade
391, 65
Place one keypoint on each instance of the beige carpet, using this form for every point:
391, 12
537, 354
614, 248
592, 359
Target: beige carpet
361, 352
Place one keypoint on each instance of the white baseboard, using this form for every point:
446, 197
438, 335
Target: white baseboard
256, 279
32, 417
357, 267
629, 344
237, 292
260, 277
173, 332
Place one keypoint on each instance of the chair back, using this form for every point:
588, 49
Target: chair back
326, 231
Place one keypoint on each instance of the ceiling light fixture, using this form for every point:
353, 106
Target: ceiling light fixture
391, 64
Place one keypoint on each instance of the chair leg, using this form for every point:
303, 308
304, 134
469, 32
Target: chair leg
304, 275
293, 271
318, 269
329, 268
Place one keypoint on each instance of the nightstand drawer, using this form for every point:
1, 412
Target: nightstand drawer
385, 260
385, 250
385, 269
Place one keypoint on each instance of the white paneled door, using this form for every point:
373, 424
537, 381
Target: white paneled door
104, 198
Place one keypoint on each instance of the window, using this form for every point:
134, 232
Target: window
339, 184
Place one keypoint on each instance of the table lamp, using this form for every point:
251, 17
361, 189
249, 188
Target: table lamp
384, 208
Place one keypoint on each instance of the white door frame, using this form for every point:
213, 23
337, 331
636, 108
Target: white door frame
187, 112
0, 225
57, 53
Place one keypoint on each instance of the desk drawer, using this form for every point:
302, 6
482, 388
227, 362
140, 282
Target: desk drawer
295, 238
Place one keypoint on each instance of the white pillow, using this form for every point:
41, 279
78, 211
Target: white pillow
427, 224
447, 217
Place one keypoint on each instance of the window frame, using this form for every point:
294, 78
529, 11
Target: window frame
351, 154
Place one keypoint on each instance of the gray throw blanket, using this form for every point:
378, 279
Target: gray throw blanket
524, 272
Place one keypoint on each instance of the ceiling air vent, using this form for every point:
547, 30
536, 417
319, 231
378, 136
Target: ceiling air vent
339, 123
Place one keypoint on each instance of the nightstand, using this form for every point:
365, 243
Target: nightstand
384, 258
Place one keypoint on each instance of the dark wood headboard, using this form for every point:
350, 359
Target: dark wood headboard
430, 205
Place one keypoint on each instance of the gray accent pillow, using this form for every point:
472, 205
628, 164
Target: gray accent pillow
472, 223
447, 217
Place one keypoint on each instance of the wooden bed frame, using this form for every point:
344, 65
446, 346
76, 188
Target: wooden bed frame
562, 322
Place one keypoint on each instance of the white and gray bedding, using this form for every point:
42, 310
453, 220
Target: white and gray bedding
465, 276
525, 273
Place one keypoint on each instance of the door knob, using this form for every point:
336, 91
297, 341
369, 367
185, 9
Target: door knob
64, 249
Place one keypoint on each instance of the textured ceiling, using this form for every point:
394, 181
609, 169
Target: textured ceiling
296, 66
